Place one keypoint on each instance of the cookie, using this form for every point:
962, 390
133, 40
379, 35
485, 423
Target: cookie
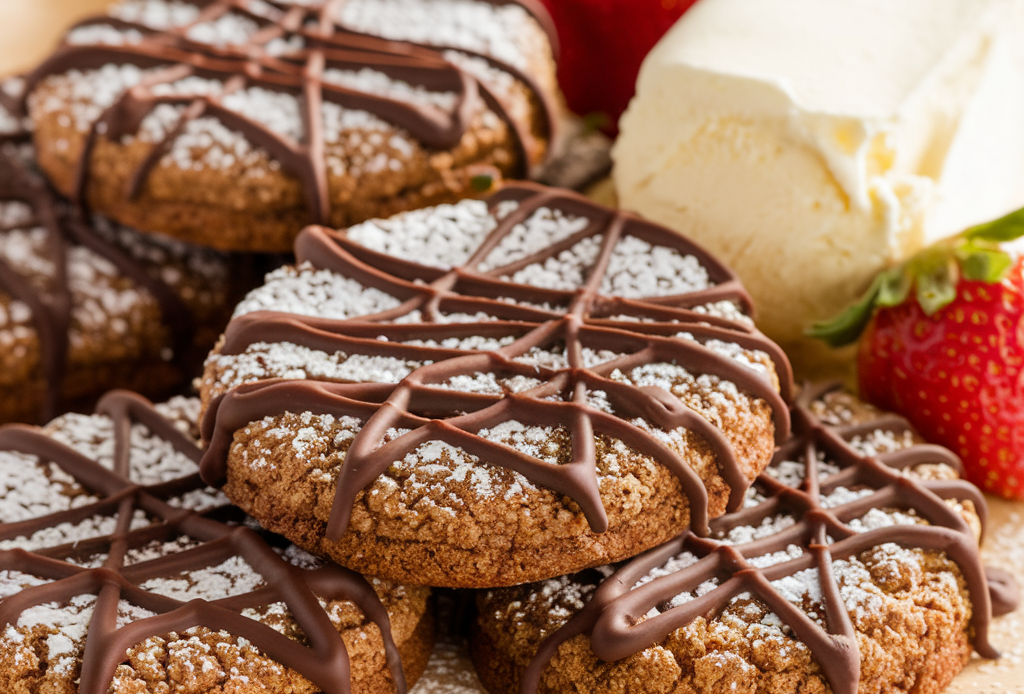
489, 393
853, 567
13, 127
121, 573
234, 124
86, 305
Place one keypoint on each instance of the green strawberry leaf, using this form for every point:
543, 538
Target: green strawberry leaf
894, 287
936, 287
983, 264
845, 328
481, 183
932, 274
1005, 228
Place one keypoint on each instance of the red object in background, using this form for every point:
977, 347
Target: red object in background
603, 43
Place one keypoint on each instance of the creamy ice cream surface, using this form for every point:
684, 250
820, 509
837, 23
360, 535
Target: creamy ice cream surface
811, 143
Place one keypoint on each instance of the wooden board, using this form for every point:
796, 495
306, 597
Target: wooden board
28, 31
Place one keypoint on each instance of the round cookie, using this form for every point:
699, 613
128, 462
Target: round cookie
86, 306
121, 573
234, 124
490, 393
853, 567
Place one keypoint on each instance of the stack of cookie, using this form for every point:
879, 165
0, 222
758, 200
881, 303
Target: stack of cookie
534, 389
234, 123
227, 127
559, 410
86, 303
121, 572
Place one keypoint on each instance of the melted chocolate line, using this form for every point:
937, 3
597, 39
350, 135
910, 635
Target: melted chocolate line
1003, 588
523, 140
248, 403
194, 110
126, 114
86, 549
705, 360
314, 246
605, 308
311, 104
299, 72
614, 617
51, 322
12, 104
123, 407
551, 251
367, 459
961, 490
325, 663
106, 507
119, 545
51, 306
174, 312
32, 441
548, 108
539, 12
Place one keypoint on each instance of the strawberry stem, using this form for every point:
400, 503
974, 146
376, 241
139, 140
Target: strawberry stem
932, 274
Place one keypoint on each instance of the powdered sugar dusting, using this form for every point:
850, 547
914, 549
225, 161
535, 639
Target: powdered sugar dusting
638, 269
229, 578
566, 272
545, 227
153, 459
30, 488
878, 442
72, 533
264, 360
306, 291
157, 14
376, 82
477, 26
442, 236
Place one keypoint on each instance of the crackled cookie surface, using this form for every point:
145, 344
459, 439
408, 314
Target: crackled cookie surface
236, 122
492, 392
853, 567
121, 573
90, 305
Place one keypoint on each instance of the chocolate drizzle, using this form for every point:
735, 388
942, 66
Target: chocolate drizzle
324, 662
300, 73
580, 319
51, 301
11, 90
614, 616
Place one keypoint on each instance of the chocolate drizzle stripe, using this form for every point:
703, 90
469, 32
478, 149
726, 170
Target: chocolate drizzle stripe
51, 303
299, 73
615, 619
324, 662
367, 459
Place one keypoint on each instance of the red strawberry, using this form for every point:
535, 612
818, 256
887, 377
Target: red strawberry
944, 347
603, 43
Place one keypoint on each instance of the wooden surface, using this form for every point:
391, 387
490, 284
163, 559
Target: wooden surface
30, 28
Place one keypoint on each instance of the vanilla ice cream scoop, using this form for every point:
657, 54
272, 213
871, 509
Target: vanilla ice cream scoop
812, 143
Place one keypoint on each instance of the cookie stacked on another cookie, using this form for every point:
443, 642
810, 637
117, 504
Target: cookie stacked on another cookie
234, 123
120, 572
86, 304
853, 567
492, 392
